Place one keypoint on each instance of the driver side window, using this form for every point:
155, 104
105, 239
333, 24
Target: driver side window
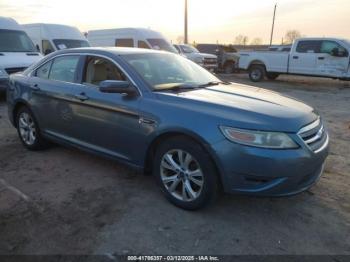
98, 69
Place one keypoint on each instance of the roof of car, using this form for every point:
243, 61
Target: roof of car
114, 50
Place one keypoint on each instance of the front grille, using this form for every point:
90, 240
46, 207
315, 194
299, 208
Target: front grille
314, 136
210, 61
13, 70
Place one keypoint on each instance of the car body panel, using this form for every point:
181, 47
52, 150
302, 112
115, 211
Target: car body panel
125, 127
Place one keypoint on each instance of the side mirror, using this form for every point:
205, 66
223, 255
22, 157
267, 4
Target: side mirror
116, 86
47, 51
335, 51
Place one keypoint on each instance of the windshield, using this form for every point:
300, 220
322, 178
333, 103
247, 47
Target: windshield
189, 49
70, 43
162, 70
15, 41
161, 44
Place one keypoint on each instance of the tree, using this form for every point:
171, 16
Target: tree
241, 40
291, 35
256, 41
180, 39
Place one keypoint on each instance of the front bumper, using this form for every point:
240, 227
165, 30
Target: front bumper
268, 172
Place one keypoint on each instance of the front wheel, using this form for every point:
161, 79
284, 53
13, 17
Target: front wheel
256, 73
185, 173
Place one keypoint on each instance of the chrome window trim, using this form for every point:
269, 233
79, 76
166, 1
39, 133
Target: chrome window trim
86, 54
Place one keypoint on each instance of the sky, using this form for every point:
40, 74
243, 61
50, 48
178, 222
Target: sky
210, 21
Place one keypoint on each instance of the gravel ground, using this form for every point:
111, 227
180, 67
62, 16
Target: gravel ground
64, 201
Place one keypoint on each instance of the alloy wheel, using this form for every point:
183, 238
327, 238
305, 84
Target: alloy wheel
27, 128
181, 175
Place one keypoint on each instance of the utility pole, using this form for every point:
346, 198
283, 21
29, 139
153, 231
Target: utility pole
273, 23
186, 24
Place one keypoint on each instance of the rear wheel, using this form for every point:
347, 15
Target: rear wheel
229, 68
185, 173
28, 130
272, 76
256, 73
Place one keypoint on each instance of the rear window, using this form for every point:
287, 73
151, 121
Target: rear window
64, 68
309, 46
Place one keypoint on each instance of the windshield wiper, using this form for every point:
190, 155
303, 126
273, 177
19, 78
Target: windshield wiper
214, 83
174, 86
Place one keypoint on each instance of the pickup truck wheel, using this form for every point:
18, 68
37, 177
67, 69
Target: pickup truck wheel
272, 76
256, 73
185, 173
228, 68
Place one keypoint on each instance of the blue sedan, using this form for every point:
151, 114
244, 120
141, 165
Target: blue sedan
166, 115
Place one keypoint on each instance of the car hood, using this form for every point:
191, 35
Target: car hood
244, 106
205, 55
18, 59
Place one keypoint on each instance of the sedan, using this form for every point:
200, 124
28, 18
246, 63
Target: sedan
169, 117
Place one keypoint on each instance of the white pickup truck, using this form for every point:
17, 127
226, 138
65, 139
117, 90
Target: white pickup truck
322, 57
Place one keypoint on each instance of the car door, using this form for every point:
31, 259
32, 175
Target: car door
51, 89
303, 59
106, 122
330, 63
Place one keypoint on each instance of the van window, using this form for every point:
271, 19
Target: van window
44, 70
161, 44
124, 42
309, 46
98, 69
64, 68
142, 44
47, 47
15, 41
69, 43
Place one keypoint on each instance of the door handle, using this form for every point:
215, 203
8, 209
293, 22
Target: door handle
35, 87
81, 97
321, 58
295, 57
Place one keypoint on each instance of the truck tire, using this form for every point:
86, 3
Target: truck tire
272, 76
229, 67
257, 73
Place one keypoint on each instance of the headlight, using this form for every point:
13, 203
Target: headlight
274, 140
199, 60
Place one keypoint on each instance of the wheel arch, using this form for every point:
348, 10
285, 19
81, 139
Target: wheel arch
17, 105
257, 62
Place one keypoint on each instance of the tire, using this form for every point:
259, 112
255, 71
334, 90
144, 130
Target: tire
228, 68
257, 73
272, 76
192, 185
28, 130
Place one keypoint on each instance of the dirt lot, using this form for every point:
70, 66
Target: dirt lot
63, 201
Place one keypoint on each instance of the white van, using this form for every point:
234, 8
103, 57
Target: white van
130, 37
17, 51
52, 37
